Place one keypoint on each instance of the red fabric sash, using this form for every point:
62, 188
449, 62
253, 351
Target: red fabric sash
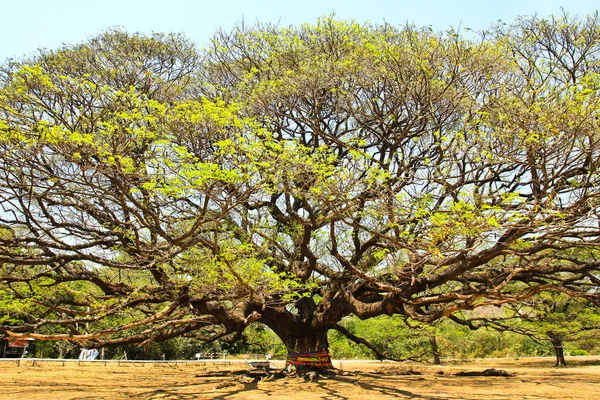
318, 359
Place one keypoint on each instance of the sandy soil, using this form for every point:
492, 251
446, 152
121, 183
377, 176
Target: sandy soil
534, 379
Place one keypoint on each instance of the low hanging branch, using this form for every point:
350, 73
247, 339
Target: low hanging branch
97, 335
359, 340
159, 333
380, 356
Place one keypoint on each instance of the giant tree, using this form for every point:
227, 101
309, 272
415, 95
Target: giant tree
294, 176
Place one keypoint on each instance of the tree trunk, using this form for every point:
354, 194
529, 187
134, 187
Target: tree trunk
306, 341
308, 349
303, 333
558, 350
434, 350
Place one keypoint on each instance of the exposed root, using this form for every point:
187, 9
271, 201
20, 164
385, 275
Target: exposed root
225, 384
487, 372
398, 370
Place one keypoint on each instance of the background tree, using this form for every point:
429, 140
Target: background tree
296, 176
547, 317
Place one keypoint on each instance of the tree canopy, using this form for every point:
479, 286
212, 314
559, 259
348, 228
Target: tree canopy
295, 176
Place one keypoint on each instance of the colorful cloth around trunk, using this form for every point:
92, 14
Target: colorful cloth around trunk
318, 359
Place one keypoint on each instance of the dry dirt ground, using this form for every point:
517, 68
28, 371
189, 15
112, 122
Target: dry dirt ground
533, 379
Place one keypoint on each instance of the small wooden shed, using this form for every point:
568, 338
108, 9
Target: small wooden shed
14, 348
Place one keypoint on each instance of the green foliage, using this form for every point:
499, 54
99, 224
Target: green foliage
460, 342
390, 335
553, 315
393, 337
298, 176
259, 339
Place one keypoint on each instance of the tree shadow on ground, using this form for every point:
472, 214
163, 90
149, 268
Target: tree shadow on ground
380, 387
582, 363
372, 383
241, 388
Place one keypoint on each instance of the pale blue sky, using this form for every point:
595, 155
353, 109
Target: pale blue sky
26, 25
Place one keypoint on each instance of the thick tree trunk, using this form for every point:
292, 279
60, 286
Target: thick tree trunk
304, 336
434, 350
300, 332
308, 341
308, 349
560, 354
558, 349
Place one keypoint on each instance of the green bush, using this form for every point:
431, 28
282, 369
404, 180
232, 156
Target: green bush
579, 353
